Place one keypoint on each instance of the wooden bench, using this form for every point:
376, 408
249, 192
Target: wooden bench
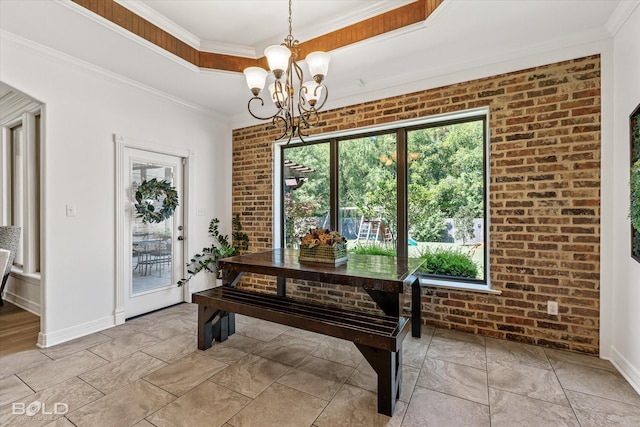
377, 336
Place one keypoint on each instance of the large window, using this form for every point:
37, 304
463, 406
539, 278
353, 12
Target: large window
412, 191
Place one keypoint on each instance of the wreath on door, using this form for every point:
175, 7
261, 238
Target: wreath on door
155, 200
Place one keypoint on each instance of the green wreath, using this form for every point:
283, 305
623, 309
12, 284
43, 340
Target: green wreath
151, 192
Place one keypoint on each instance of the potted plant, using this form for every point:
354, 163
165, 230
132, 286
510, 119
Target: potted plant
222, 246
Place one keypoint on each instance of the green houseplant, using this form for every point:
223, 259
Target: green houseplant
222, 246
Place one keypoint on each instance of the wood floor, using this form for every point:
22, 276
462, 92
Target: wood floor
18, 329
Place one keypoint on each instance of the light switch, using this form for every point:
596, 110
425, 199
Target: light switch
200, 212
72, 210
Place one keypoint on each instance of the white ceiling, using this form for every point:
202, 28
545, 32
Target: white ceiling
459, 35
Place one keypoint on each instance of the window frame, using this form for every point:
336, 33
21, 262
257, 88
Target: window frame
401, 130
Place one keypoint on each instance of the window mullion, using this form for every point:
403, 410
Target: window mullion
401, 193
334, 203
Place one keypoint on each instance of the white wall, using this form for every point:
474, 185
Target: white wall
84, 107
625, 342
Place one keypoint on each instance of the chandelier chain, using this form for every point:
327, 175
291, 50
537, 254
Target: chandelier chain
290, 25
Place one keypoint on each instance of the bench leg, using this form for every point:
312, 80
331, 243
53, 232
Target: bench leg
224, 327
388, 366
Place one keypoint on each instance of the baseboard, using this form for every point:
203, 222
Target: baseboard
628, 371
21, 302
119, 316
58, 337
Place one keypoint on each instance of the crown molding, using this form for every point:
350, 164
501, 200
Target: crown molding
161, 21
124, 32
342, 21
620, 15
227, 49
66, 59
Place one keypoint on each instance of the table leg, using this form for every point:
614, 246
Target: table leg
388, 366
389, 302
281, 286
416, 308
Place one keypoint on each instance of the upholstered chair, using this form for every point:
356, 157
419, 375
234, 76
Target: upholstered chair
9, 238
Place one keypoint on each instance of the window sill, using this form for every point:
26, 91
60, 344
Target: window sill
462, 286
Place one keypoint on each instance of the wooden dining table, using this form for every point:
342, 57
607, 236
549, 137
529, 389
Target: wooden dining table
383, 278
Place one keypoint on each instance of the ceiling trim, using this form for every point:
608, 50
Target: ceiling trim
66, 59
620, 15
395, 19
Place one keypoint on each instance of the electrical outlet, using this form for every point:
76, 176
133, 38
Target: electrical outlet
552, 308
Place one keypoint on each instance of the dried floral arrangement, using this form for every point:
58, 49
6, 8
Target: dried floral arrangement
323, 245
321, 236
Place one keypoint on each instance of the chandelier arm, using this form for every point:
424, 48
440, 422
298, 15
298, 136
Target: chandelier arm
303, 127
323, 98
319, 104
262, 105
283, 123
308, 119
281, 96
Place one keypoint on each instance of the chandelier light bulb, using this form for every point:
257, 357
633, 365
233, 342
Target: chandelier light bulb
318, 63
256, 77
278, 59
312, 92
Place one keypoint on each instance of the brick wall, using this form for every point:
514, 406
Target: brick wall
544, 201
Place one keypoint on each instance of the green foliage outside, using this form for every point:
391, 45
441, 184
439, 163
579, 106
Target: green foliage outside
304, 207
445, 180
373, 250
451, 263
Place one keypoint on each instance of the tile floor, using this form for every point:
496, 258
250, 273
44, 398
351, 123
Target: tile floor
148, 372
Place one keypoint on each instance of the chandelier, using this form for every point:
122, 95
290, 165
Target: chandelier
297, 101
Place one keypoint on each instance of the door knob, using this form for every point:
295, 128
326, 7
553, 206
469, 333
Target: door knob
180, 238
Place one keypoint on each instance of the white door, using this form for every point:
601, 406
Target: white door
154, 255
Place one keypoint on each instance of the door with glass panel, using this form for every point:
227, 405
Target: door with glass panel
154, 234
